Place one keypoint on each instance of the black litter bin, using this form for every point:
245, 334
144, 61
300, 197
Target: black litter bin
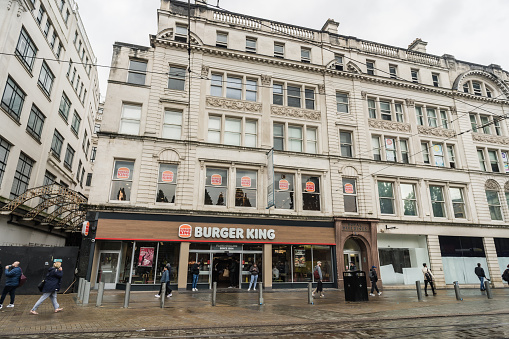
356, 288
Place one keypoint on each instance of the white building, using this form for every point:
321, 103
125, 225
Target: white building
383, 156
49, 95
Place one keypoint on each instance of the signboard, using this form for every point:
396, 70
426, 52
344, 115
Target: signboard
299, 258
146, 257
216, 179
123, 173
310, 186
284, 185
348, 188
245, 182
185, 231
227, 247
85, 228
167, 176
505, 161
270, 180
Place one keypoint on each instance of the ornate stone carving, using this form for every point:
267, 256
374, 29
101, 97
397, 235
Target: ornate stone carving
410, 102
205, 71
266, 79
321, 89
454, 111
232, 104
389, 125
295, 112
21, 6
351, 67
437, 132
491, 185
494, 139
364, 94
506, 186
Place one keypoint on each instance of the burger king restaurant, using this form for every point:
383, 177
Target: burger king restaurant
134, 248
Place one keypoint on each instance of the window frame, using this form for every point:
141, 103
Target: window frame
343, 104
46, 79
35, 122
129, 179
284, 138
130, 120
69, 157
172, 126
244, 130
494, 206
57, 143
16, 99
5, 149
251, 49
164, 167
136, 72
22, 176
222, 43
305, 55
22, 47
345, 145
279, 50
396, 109
176, 78
442, 203
370, 67
76, 122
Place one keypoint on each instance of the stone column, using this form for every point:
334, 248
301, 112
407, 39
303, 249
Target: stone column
492, 260
183, 263
267, 266
435, 260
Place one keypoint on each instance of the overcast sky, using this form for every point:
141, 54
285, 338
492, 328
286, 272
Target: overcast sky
471, 30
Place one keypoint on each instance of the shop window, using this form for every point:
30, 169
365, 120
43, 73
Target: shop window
350, 195
310, 193
409, 199
437, 201
302, 264
281, 263
149, 260
121, 184
245, 190
398, 258
323, 254
454, 246
284, 191
166, 183
216, 186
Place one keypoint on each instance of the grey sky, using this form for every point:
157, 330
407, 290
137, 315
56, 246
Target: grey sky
471, 30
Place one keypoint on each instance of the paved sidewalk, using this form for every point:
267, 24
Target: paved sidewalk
192, 310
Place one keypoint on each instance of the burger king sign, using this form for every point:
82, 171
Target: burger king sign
185, 231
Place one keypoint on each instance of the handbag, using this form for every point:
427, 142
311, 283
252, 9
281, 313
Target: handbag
22, 280
41, 285
226, 273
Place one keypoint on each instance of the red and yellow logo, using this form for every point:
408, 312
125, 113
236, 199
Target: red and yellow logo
245, 182
310, 186
167, 176
185, 231
216, 179
123, 173
284, 184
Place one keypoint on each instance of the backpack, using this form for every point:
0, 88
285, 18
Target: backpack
316, 275
505, 276
22, 279
428, 276
371, 275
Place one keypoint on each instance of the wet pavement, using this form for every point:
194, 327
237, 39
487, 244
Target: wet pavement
284, 313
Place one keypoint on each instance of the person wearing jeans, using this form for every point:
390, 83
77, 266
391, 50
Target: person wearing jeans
165, 281
195, 270
428, 279
51, 287
479, 271
12, 276
254, 276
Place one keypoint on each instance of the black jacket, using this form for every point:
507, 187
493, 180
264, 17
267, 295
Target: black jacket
479, 271
195, 269
53, 279
374, 276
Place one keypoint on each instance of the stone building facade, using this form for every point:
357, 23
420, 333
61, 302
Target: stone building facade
382, 156
49, 94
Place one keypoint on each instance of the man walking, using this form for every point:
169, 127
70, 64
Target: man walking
373, 276
165, 279
479, 271
428, 279
12, 276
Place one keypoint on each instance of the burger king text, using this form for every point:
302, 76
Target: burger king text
234, 233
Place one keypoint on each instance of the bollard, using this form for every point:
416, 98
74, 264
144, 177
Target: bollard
100, 293
86, 292
260, 293
419, 290
310, 293
488, 289
80, 289
457, 291
127, 295
163, 294
214, 289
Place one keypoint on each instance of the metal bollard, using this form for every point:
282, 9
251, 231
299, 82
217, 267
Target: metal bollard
214, 289
127, 295
260, 293
310, 293
488, 289
80, 288
86, 292
419, 290
163, 294
457, 291
100, 293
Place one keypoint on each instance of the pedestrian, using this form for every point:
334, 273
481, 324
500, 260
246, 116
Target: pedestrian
479, 271
254, 276
505, 275
428, 279
195, 270
233, 274
317, 274
373, 276
12, 276
50, 288
165, 279
352, 266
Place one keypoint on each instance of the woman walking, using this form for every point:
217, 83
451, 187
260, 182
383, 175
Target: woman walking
51, 287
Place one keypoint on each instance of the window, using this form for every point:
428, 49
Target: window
435, 154
458, 202
130, 121
177, 78
78, 171
93, 154
473, 122
216, 187
216, 85
451, 156
76, 121
89, 180
40, 15
251, 45
425, 153
433, 119
232, 131
46, 79
78, 83
310, 193
75, 38
375, 145
293, 96
444, 119
277, 94
390, 149
237, 131
399, 112
370, 67
81, 177
393, 71
65, 106
82, 53
403, 145
181, 33
386, 197
372, 108
291, 138
498, 128
69, 157
13, 99
345, 139
409, 199
122, 180
437, 201
61, 4
47, 28
492, 155
21, 176
26, 49
284, 190
305, 55
477, 88
339, 62
279, 50
494, 205
222, 40
84, 95
234, 87
482, 161
387, 110
485, 124
49, 178
5, 148
35, 122
167, 183
431, 114
67, 15
56, 144
251, 89
172, 125
419, 115
311, 140
415, 75
342, 102
279, 136
435, 79
295, 138
237, 87
245, 188
53, 39
59, 50
137, 72
350, 195
309, 94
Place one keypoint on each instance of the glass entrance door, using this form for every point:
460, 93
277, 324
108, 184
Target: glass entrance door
352, 256
107, 269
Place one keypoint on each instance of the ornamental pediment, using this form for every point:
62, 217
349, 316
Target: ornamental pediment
237, 105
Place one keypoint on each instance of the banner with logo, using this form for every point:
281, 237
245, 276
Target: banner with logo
270, 172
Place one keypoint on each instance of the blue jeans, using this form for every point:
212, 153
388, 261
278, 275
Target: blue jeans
53, 297
195, 280
482, 283
254, 279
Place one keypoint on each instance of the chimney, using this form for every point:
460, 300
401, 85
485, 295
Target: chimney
418, 46
331, 26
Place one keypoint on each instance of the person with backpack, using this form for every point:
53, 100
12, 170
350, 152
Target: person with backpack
373, 276
505, 275
428, 279
479, 272
254, 270
12, 279
51, 287
317, 274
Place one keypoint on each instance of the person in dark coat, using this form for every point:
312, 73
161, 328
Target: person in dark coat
165, 279
51, 287
233, 274
195, 270
12, 276
373, 276
479, 272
